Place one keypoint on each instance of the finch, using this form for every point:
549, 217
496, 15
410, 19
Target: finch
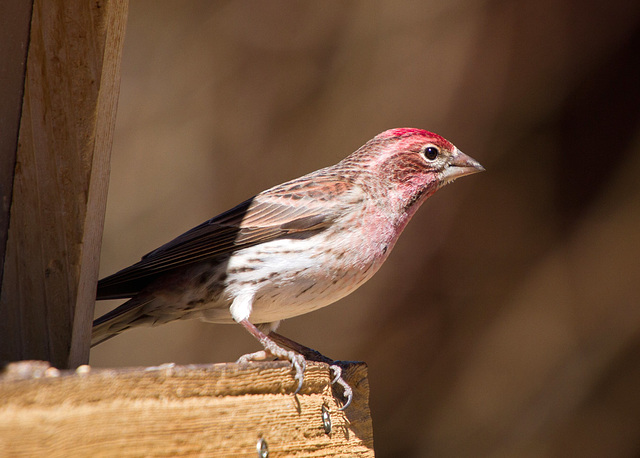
291, 249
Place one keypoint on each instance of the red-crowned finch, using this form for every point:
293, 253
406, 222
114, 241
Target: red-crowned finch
291, 249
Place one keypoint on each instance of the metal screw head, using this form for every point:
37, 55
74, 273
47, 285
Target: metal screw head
326, 419
262, 448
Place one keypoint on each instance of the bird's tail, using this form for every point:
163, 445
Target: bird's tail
131, 313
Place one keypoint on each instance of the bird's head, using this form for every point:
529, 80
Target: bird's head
410, 164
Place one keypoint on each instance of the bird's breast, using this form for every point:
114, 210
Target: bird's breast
291, 277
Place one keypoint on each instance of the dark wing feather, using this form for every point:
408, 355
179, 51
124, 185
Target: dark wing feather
262, 218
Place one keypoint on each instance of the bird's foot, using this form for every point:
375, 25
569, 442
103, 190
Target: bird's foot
314, 355
257, 356
347, 392
298, 362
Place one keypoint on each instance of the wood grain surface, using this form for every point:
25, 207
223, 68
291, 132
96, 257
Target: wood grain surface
208, 410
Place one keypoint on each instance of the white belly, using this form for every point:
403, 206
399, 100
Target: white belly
289, 277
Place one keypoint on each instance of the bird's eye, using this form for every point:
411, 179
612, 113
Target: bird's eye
431, 153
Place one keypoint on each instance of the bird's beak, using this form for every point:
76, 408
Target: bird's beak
460, 165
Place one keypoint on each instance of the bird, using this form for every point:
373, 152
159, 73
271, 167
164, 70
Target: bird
289, 250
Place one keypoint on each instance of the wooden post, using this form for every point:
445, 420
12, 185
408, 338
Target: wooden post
60, 180
213, 410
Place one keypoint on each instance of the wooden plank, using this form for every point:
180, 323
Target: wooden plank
209, 410
15, 20
61, 178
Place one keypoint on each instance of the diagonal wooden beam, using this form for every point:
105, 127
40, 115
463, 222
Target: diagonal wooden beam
15, 21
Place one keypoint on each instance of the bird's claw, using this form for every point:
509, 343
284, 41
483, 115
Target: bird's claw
347, 392
251, 357
298, 363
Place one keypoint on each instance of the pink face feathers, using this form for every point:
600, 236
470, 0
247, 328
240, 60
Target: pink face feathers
416, 134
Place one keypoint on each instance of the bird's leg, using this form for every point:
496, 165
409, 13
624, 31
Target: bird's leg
313, 355
298, 362
309, 353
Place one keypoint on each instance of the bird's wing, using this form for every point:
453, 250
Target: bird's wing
294, 209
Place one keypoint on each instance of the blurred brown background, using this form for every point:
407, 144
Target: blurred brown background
507, 320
